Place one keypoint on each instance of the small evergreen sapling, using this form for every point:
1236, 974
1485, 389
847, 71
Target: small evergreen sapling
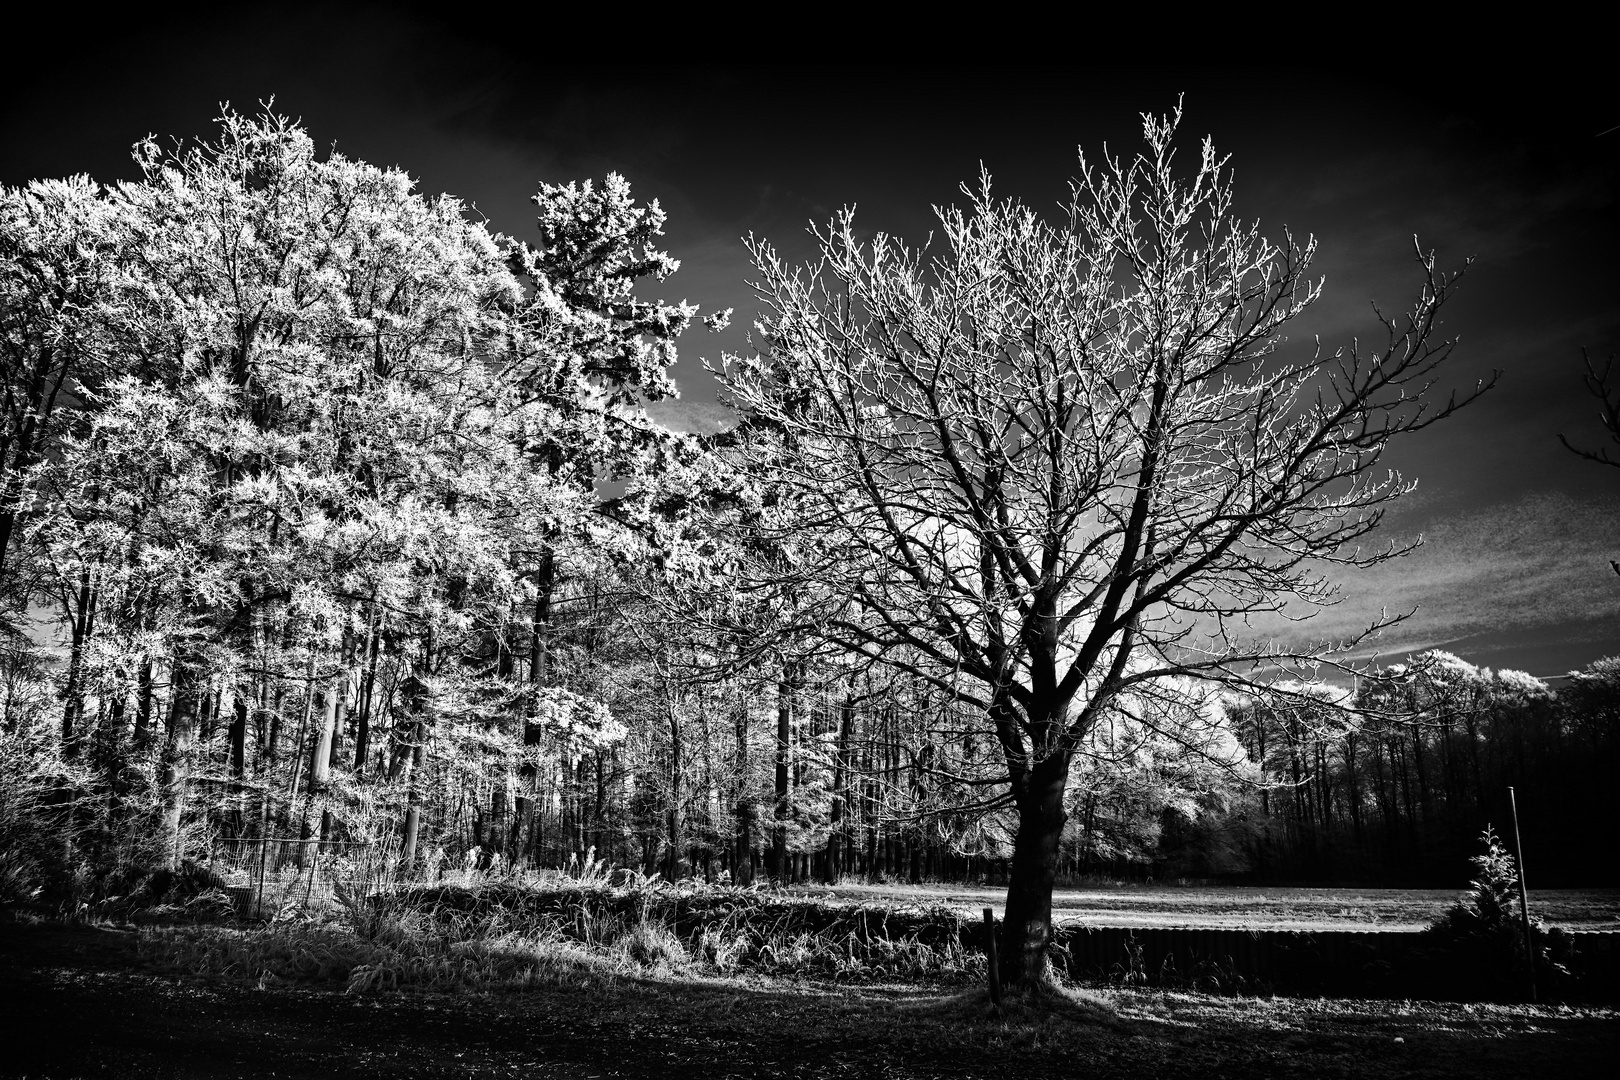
1476, 949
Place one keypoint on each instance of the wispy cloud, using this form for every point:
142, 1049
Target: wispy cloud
1535, 569
697, 417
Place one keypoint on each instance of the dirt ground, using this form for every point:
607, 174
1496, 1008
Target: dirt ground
78, 1002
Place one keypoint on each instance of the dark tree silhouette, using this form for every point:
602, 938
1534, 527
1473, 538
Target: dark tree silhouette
1600, 385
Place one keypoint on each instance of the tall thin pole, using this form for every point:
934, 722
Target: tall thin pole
1524, 894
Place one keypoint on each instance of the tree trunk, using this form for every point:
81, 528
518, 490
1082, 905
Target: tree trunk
413, 818
1028, 924
238, 735
143, 705
82, 615
320, 762
837, 829
362, 733
677, 776
528, 773
784, 742
744, 858
177, 754
497, 817
1352, 786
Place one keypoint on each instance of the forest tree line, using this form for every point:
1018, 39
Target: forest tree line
304, 533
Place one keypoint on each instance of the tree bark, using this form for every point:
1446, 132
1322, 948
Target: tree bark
238, 734
320, 762
1028, 923
784, 737
362, 733
539, 673
743, 874
677, 770
177, 755
497, 817
83, 619
837, 828
143, 705
413, 818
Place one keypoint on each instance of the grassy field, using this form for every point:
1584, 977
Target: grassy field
1258, 908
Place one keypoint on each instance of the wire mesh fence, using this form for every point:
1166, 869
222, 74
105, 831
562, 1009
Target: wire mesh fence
270, 876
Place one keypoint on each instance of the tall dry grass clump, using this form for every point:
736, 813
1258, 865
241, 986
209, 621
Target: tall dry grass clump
491, 934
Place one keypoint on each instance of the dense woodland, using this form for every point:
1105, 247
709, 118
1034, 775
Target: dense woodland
326, 512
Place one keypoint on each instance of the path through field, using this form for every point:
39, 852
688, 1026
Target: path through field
1257, 908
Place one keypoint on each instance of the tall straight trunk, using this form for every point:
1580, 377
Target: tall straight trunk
362, 733
1325, 786
711, 793
1352, 786
143, 705
837, 830
497, 816
1425, 795
303, 727
676, 792
1384, 787
539, 673
238, 733
784, 746
1406, 787
1473, 759
599, 808
178, 750
580, 804
272, 738
869, 809
1028, 924
342, 686
111, 739
83, 625
320, 761
744, 809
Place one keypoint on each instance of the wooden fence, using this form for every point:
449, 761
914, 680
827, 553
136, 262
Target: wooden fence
1292, 962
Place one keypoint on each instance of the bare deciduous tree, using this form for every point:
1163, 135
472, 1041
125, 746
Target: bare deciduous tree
1600, 384
1055, 468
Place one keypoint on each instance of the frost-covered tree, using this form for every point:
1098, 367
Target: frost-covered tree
340, 437
59, 243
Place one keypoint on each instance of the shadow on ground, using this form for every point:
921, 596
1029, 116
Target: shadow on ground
78, 1003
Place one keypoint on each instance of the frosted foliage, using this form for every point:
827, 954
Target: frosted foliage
328, 431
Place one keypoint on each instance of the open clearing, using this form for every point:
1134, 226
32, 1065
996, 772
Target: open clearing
1236, 907
78, 1003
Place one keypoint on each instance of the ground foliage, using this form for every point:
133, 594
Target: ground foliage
507, 935
494, 934
92, 1007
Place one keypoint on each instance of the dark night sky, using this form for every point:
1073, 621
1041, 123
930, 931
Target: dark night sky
1515, 172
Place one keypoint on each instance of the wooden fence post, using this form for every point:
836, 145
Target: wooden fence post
990, 951
1524, 895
